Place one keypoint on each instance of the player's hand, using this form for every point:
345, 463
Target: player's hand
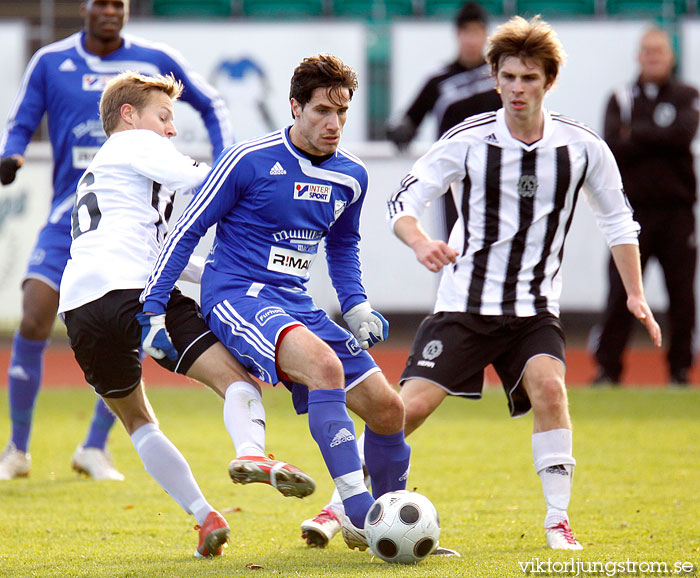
640, 309
154, 337
368, 326
434, 254
9, 167
400, 133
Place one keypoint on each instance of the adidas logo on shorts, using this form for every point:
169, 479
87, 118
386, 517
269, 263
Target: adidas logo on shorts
277, 169
341, 437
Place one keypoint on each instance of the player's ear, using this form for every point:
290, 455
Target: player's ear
126, 112
296, 108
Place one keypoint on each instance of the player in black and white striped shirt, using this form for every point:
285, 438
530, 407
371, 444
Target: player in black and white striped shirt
515, 177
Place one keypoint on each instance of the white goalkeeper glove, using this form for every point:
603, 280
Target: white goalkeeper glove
368, 326
154, 337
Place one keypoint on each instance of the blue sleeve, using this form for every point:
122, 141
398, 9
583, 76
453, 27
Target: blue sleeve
343, 256
215, 198
208, 102
27, 110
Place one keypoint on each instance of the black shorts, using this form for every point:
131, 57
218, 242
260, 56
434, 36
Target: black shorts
105, 337
452, 349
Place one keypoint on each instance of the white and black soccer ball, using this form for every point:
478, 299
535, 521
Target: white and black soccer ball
402, 527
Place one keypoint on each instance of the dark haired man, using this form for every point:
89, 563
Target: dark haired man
462, 88
273, 200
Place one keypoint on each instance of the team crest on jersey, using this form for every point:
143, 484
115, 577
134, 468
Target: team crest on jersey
339, 208
312, 192
527, 186
96, 82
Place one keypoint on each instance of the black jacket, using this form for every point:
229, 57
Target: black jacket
650, 135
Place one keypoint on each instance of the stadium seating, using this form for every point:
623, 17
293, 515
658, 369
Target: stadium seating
646, 8
372, 9
556, 8
448, 8
190, 8
282, 8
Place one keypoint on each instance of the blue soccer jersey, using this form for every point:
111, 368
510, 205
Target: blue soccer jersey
66, 82
272, 207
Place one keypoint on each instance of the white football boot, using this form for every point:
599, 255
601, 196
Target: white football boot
14, 463
95, 463
319, 531
560, 537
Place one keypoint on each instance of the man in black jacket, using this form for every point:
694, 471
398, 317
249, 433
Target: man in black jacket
463, 88
649, 126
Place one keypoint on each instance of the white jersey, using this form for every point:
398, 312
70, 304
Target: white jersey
119, 219
515, 205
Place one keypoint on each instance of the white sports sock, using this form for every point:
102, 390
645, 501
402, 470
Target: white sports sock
554, 463
167, 466
244, 418
336, 503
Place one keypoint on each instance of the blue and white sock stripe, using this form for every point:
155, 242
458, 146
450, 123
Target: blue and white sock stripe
350, 484
228, 315
206, 194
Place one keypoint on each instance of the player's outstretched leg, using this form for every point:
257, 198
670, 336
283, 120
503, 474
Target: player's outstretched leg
244, 417
91, 457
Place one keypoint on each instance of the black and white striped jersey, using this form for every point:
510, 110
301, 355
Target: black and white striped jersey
515, 203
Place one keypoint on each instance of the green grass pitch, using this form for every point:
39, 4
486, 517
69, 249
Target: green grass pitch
635, 493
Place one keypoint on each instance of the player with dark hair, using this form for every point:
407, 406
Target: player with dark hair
65, 80
118, 226
460, 89
273, 200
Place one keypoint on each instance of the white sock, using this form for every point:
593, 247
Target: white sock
244, 418
167, 466
554, 463
336, 503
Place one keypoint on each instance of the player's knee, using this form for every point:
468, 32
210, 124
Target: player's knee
549, 394
388, 418
35, 325
329, 370
417, 411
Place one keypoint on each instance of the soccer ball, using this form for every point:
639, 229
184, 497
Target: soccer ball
402, 527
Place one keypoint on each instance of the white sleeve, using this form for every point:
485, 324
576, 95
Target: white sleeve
193, 270
159, 160
605, 195
429, 179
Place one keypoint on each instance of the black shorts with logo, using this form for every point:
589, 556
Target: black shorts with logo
452, 349
105, 337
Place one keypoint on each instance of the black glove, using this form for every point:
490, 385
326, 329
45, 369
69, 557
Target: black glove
400, 133
8, 169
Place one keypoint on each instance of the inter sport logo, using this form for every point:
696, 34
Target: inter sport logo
312, 192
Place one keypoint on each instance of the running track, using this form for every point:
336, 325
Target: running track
645, 367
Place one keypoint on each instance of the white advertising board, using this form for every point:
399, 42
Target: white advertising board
14, 41
251, 65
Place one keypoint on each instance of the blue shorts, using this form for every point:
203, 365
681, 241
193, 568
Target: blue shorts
51, 253
250, 327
